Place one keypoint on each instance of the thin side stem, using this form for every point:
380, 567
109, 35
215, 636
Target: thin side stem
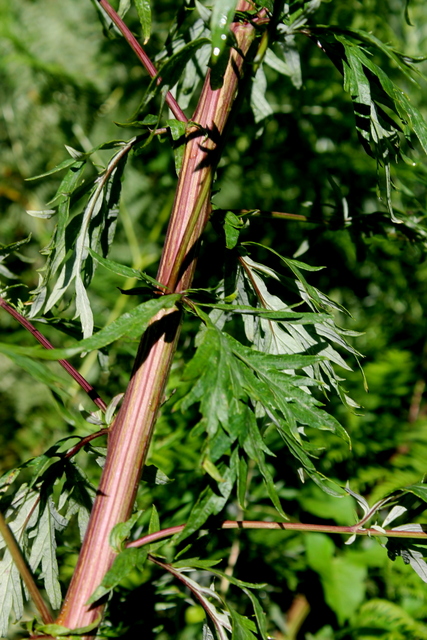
24, 571
84, 384
84, 441
286, 526
142, 56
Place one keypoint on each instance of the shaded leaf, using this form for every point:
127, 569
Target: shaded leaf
123, 565
211, 502
171, 71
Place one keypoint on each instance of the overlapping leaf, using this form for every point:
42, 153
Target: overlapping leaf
172, 69
371, 90
68, 253
35, 518
196, 66
304, 335
222, 618
11, 590
132, 323
230, 382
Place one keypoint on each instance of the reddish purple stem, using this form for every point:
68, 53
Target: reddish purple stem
93, 395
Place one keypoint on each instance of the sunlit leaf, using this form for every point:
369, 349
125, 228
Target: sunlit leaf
143, 8
222, 16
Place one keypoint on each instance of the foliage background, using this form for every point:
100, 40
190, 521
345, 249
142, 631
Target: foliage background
62, 82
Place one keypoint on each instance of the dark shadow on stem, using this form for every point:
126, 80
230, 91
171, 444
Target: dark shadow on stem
166, 326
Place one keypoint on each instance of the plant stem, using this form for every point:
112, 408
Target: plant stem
285, 526
84, 384
131, 434
24, 571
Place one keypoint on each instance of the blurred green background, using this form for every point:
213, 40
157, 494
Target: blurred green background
63, 83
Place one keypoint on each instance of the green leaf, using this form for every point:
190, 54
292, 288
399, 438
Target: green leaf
196, 68
285, 337
370, 89
202, 593
411, 553
43, 550
123, 565
195, 563
342, 580
78, 493
357, 36
154, 476
6, 250
212, 470
44, 214
127, 272
420, 490
221, 18
149, 120
407, 18
69, 162
21, 514
211, 502
260, 615
242, 480
259, 104
124, 6
154, 524
292, 317
243, 628
276, 63
143, 8
121, 531
238, 583
11, 598
58, 630
254, 446
68, 251
38, 371
278, 390
135, 321
54, 629
217, 380
171, 71
178, 129
380, 615
232, 226
292, 60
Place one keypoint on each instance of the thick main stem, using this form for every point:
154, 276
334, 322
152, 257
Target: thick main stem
132, 431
